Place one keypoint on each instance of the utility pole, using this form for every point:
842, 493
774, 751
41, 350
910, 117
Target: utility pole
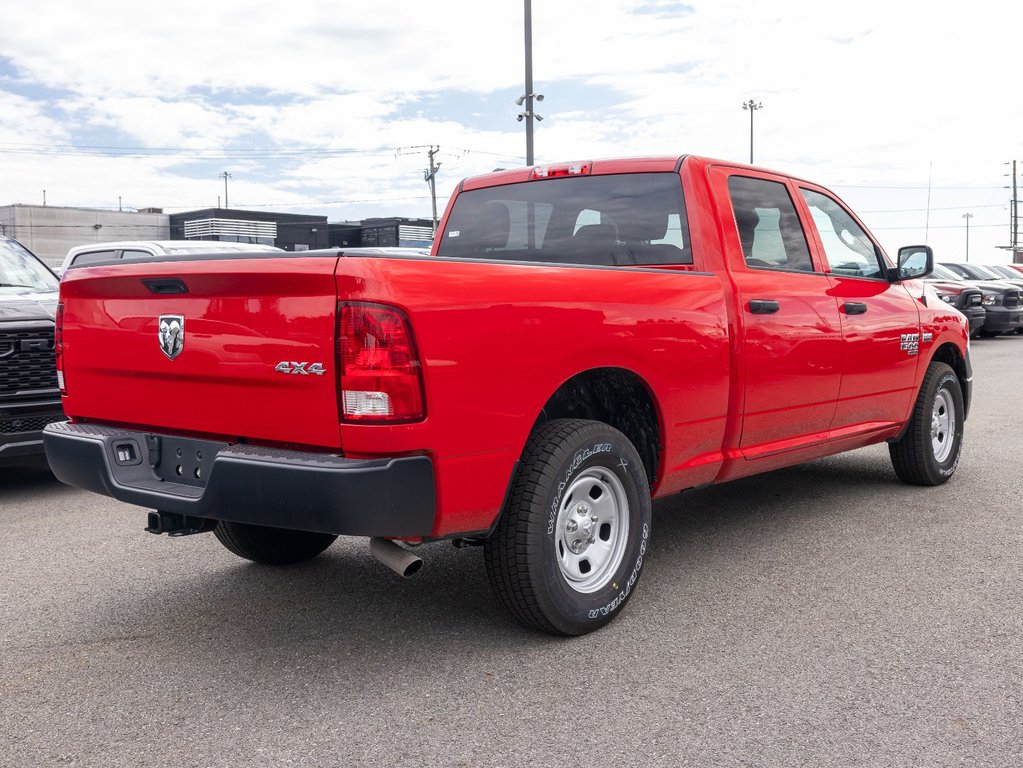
225, 176
430, 177
752, 106
1013, 237
967, 216
528, 97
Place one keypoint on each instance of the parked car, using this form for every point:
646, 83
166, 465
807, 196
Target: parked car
148, 249
1007, 271
1003, 306
584, 337
967, 298
29, 393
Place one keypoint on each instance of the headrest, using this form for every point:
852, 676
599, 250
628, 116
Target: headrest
643, 226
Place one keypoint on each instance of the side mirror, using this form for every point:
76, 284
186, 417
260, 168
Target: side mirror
914, 261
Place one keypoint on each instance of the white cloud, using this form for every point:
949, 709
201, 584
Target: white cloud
876, 96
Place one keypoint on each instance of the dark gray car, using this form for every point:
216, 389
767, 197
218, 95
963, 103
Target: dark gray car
29, 396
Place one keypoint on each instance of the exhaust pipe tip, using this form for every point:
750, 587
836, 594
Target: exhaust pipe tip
397, 558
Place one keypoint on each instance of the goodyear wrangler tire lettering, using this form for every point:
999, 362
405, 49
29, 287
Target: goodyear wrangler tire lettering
569, 548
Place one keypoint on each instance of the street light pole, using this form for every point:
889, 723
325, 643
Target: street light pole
967, 216
752, 106
225, 176
529, 80
528, 97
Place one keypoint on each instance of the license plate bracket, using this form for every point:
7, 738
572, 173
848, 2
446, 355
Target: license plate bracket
182, 459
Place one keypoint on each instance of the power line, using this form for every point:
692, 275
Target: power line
212, 153
947, 226
918, 210
887, 186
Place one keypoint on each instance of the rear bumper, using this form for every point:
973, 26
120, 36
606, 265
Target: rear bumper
392, 497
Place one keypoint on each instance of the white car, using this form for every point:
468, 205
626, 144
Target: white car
147, 249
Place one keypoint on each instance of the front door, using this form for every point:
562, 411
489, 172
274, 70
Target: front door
880, 320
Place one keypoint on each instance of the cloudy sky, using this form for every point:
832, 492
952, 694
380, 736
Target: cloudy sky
908, 110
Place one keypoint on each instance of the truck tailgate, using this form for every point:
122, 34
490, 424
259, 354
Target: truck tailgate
239, 320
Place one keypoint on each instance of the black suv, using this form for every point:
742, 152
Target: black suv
29, 396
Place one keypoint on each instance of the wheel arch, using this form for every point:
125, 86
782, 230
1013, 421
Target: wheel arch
618, 397
950, 354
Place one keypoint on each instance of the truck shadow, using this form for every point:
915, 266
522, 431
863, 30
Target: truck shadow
28, 478
346, 604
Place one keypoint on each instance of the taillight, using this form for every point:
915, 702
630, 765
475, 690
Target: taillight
379, 375
58, 347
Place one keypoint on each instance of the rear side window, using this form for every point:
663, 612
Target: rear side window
768, 226
624, 220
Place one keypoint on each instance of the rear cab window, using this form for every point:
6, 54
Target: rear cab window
633, 219
91, 257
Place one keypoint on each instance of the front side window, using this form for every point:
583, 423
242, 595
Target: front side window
768, 226
621, 219
849, 249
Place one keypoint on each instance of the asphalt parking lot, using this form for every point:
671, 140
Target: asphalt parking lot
821, 615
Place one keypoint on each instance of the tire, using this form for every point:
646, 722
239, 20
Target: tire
928, 452
553, 565
271, 546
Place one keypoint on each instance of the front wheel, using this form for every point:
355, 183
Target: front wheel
271, 546
569, 548
928, 452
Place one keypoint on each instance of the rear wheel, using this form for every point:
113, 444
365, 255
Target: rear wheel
928, 452
271, 546
569, 548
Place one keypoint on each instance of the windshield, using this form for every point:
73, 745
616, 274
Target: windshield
985, 272
945, 273
1007, 272
20, 269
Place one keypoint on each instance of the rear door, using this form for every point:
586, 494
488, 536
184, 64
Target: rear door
790, 329
880, 320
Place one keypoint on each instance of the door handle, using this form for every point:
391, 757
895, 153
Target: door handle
763, 306
855, 308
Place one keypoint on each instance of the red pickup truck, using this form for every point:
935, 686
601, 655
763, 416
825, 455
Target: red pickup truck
583, 337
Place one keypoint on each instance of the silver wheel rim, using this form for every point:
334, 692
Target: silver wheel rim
943, 425
592, 530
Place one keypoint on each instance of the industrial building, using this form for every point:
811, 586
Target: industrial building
290, 231
50, 231
382, 233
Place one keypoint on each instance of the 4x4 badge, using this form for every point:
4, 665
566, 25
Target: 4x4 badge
172, 335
